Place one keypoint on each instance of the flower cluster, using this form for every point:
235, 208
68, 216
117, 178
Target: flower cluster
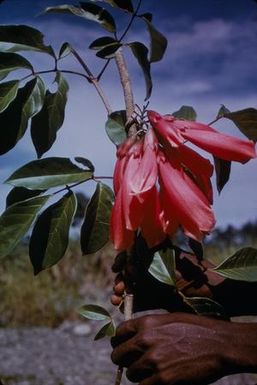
161, 184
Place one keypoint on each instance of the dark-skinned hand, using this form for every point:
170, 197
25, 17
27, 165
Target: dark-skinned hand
193, 280
180, 348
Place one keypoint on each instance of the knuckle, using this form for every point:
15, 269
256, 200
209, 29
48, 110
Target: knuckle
146, 322
143, 339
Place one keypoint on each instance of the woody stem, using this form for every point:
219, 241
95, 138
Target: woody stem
128, 312
127, 88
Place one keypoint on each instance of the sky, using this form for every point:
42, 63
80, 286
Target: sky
211, 60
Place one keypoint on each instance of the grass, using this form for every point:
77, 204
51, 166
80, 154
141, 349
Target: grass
55, 294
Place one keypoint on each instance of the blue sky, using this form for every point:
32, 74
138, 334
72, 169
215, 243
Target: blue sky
211, 60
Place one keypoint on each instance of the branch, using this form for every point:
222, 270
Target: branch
127, 88
128, 312
93, 80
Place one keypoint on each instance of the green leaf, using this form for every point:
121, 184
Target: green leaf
158, 41
241, 266
8, 92
115, 127
85, 162
88, 11
140, 52
23, 38
108, 330
185, 112
50, 236
223, 110
206, 307
95, 229
48, 121
222, 170
109, 51
16, 221
126, 5
65, 50
18, 194
4, 74
102, 42
49, 172
245, 120
94, 312
12, 61
163, 267
14, 119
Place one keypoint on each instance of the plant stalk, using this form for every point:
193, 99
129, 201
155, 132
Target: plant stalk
127, 88
94, 81
128, 312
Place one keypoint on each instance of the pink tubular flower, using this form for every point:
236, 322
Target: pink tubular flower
177, 131
161, 184
185, 204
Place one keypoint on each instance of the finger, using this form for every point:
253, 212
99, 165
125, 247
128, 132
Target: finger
153, 380
127, 353
116, 300
119, 288
119, 262
140, 370
124, 331
119, 277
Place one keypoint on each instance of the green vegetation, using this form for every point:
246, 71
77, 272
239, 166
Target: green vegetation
55, 294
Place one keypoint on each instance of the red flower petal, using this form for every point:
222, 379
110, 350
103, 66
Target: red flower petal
144, 177
121, 237
185, 201
118, 174
200, 169
220, 145
151, 227
163, 129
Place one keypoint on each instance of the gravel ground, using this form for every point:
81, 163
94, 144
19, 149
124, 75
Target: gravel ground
64, 356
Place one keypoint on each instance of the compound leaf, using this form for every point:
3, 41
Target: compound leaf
8, 92
109, 51
95, 229
245, 120
14, 119
205, 307
12, 61
23, 38
49, 172
222, 170
185, 112
47, 122
140, 52
115, 127
65, 50
241, 266
88, 11
94, 312
108, 330
18, 194
158, 42
163, 267
126, 5
50, 235
102, 42
16, 221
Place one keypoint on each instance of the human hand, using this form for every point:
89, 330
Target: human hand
192, 279
180, 348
